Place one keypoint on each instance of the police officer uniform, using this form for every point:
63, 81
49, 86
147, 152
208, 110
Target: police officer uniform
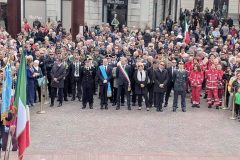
88, 77
179, 79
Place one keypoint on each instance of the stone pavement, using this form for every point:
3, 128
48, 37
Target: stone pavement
70, 133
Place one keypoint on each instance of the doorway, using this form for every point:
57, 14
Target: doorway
3, 15
112, 8
221, 7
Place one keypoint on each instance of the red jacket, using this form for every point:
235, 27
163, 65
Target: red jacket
196, 78
212, 79
187, 66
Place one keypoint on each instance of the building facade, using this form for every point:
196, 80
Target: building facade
139, 13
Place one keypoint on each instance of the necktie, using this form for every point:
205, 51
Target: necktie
77, 69
106, 68
141, 75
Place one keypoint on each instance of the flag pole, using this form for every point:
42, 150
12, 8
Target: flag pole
41, 111
46, 92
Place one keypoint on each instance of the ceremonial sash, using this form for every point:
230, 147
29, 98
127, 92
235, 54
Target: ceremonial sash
105, 76
125, 75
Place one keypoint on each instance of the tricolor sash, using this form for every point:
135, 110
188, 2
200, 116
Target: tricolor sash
105, 76
125, 75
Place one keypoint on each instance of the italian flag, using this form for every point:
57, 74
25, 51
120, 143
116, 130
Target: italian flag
186, 33
23, 116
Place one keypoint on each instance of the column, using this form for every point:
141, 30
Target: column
14, 17
77, 16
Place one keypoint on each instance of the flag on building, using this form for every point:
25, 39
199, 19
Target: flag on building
186, 33
23, 116
7, 90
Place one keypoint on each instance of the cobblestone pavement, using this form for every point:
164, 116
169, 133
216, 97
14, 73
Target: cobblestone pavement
70, 133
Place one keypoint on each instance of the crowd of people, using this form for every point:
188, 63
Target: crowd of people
141, 65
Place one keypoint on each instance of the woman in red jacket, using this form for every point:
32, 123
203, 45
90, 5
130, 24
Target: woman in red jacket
196, 80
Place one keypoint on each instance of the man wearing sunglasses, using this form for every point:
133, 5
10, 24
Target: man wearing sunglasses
160, 77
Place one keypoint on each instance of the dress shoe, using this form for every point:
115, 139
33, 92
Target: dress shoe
51, 105
73, 99
101, 107
114, 104
217, 107
209, 106
184, 110
197, 106
65, 99
59, 105
165, 105
91, 106
106, 107
193, 105
84, 106
158, 109
117, 108
129, 108
14, 149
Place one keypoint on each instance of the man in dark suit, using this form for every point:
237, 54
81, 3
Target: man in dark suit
160, 77
76, 68
170, 83
66, 64
150, 85
103, 82
123, 73
58, 74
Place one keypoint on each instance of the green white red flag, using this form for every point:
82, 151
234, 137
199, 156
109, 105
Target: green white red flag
23, 116
186, 32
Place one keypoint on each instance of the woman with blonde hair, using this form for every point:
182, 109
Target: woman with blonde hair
30, 81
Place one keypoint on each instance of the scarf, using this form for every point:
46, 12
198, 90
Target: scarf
143, 78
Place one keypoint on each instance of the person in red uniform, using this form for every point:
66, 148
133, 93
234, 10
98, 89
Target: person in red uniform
212, 79
196, 80
220, 83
